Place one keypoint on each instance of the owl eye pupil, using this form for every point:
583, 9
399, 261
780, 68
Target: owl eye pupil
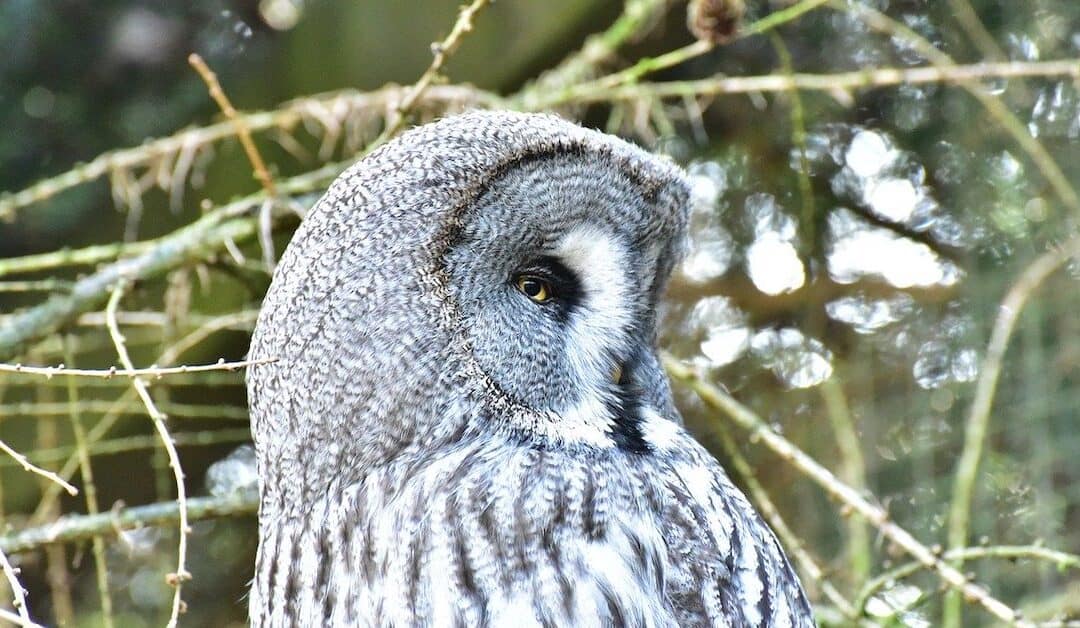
537, 289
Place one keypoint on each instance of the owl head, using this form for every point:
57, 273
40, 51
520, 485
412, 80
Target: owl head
493, 275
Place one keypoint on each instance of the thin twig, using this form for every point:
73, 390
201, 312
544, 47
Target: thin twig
156, 372
242, 130
878, 517
17, 590
862, 79
86, 471
1062, 560
16, 620
138, 443
172, 409
978, 421
45, 473
181, 575
67, 257
442, 51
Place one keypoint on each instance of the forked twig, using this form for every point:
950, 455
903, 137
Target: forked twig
178, 578
442, 51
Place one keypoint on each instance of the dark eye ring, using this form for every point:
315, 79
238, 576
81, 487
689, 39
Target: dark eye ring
536, 288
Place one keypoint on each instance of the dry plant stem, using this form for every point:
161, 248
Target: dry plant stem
71, 465
745, 418
15, 620
57, 575
28, 466
875, 77
177, 579
17, 591
978, 421
244, 320
965, 14
43, 285
74, 528
242, 130
807, 221
1062, 560
852, 471
86, 470
993, 105
442, 50
51, 371
347, 102
796, 549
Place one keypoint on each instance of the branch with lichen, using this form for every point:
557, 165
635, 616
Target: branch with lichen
73, 528
332, 111
598, 50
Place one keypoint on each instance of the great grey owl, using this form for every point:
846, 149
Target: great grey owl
467, 423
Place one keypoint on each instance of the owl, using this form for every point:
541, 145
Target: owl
467, 423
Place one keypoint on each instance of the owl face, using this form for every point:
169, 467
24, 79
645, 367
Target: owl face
555, 271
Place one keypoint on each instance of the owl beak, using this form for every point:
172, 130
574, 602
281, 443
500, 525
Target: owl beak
616, 374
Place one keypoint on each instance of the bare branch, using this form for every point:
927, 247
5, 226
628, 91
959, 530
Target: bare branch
17, 590
74, 528
156, 372
29, 466
872, 77
181, 575
443, 51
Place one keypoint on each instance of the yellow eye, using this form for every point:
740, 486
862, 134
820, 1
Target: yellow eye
535, 288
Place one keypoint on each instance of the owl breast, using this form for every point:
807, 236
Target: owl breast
499, 534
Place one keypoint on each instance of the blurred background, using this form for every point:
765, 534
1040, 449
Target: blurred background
850, 250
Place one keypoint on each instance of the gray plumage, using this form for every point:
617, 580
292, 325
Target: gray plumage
438, 445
